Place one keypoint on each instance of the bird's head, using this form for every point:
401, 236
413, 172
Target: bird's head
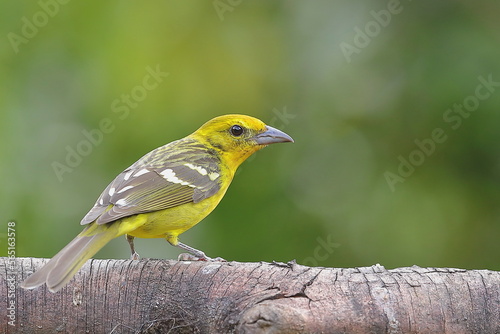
236, 137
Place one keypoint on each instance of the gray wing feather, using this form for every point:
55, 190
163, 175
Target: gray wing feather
143, 188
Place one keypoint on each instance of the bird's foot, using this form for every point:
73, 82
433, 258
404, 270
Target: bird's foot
191, 257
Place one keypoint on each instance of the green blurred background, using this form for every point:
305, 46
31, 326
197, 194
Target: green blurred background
354, 83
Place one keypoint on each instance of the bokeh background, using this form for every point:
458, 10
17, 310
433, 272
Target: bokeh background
356, 84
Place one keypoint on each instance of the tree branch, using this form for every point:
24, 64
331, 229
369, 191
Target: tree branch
156, 296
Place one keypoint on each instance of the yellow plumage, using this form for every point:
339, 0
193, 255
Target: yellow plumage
163, 194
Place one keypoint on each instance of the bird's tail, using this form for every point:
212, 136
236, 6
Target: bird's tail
64, 265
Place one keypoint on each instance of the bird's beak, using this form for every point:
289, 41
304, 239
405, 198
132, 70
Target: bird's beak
272, 136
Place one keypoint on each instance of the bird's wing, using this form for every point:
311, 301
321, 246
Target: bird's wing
162, 179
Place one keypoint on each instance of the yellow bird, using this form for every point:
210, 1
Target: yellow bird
163, 194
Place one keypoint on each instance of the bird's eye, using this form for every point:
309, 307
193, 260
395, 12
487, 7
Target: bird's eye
236, 130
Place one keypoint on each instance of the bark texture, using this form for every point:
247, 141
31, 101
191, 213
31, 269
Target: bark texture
166, 296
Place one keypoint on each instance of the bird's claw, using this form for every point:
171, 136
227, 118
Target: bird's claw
191, 257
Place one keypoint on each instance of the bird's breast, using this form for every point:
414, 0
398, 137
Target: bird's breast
173, 221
